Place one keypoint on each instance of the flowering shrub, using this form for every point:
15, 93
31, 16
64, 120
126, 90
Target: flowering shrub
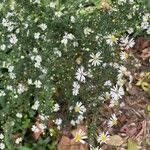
61, 61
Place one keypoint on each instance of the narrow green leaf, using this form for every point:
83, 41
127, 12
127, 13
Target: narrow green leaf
24, 148
132, 145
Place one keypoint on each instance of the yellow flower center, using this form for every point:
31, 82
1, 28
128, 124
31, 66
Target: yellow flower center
77, 137
113, 38
126, 55
114, 122
103, 138
77, 109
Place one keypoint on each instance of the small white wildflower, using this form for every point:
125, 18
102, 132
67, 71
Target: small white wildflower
1, 136
66, 37
42, 126
43, 26
80, 136
116, 92
10, 68
58, 14
103, 138
18, 140
58, 122
19, 115
73, 123
36, 35
87, 31
52, 5
56, 107
112, 121
35, 129
95, 59
126, 42
3, 47
37, 83
13, 39
21, 88
38, 58
36, 105
145, 25
30, 81
76, 87
111, 40
130, 30
72, 19
79, 108
2, 146
80, 74
108, 83
9, 87
124, 56
113, 103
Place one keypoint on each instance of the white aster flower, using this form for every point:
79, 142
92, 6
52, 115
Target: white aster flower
38, 59
52, 5
146, 17
1, 136
36, 105
36, 35
56, 107
13, 39
58, 122
116, 92
122, 71
2, 93
112, 121
30, 81
18, 140
130, 30
124, 56
105, 96
76, 87
19, 115
144, 25
72, 122
80, 74
37, 83
3, 47
79, 119
108, 83
79, 108
42, 126
103, 138
66, 37
95, 59
126, 42
43, 26
80, 136
2, 146
87, 31
72, 19
35, 129
58, 14
111, 40
21, 88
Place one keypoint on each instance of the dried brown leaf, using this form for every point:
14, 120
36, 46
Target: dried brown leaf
115, 140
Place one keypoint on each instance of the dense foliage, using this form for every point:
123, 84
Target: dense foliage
60, 61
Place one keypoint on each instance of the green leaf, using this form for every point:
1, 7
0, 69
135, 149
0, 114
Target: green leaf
24, 148
132, 145
96, 2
